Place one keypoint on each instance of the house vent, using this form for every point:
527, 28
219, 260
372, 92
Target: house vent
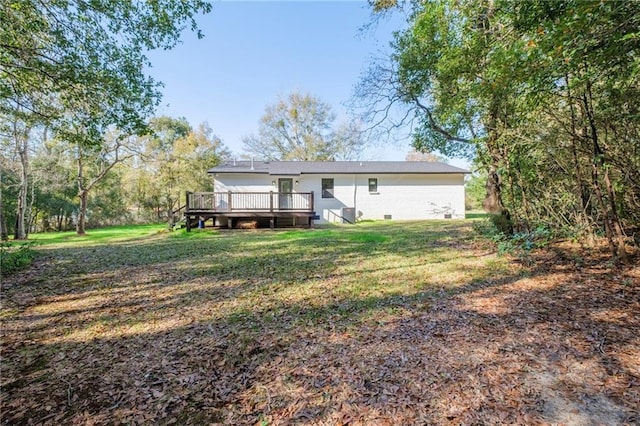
387, 217
447, 216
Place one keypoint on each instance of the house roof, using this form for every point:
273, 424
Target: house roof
295, 168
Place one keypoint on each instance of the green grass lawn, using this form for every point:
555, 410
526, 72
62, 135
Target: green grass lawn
98, 236
476, 214
374, 323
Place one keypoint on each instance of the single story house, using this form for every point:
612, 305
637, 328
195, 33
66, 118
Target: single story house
304, 192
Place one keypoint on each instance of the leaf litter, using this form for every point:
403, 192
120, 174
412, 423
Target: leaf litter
252, 328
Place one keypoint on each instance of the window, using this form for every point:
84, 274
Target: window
373, 184
327, 188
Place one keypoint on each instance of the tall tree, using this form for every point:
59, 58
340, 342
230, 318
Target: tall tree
541, 92
596, 69
175, 159
21, 139
16, 137
94, 164
78, 67
59, 54
446, 73
301, 127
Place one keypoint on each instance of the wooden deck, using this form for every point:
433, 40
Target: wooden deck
230, 206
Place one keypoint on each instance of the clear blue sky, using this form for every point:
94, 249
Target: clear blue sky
254, 52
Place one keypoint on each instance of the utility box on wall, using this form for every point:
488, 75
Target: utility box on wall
348, 215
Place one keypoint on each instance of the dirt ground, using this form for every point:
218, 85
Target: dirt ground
555, 343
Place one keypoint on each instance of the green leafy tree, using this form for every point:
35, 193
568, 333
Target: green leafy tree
173, 160
301, 127
195, 154
568, 157
107, 205
542, 93
64, 60
78, 68
16, 140
93, 165
449, 74
55, 189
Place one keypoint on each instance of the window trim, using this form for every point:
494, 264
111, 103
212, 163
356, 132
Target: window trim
327, 192
373, 190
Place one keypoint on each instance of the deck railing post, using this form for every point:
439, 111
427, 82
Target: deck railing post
211, 204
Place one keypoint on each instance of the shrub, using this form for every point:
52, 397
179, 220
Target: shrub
15, 256
502, 222
519, 244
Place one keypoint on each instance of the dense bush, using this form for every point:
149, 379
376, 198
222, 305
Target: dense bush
518, 244
15, 256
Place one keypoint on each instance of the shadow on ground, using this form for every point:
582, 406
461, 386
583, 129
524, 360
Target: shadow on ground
302, 328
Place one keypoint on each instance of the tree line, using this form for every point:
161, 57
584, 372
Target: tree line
72, 76
50, 183
125, 179
541, 94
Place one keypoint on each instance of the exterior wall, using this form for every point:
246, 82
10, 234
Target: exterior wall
401, 196
244, 183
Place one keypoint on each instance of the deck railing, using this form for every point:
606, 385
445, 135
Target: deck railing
249, 201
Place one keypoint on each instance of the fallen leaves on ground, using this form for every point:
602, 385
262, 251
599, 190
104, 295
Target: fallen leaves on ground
423, 326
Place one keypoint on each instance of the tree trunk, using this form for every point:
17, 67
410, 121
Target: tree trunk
584, 213
618, 231
83, 194
493, 199
82, 213
493, 202
170, 221
30, 216
4, 234
613, 226
21, 210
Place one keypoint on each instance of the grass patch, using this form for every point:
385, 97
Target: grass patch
476, 214
98, 236
344, 274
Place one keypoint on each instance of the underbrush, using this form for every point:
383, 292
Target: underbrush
519, 244
15, 256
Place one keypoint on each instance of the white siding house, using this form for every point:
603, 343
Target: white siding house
343, 190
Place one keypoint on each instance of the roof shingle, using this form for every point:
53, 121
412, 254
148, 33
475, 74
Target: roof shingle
336, 167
